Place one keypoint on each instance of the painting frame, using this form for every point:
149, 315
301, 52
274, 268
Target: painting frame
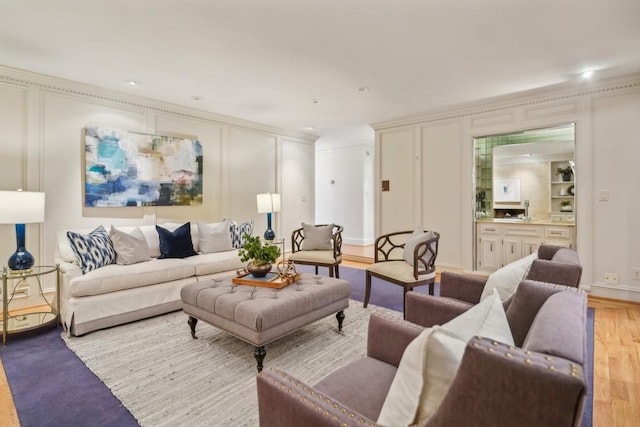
134, 169
506, 190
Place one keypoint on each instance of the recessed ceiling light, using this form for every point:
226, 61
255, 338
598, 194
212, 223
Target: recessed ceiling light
308, 128
133, 83
196, 98
364, 89
316, 101
587, 74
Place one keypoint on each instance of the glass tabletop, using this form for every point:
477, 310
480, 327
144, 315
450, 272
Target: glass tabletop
36, 270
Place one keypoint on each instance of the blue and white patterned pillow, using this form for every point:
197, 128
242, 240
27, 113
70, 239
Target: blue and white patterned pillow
93, 250
239, 230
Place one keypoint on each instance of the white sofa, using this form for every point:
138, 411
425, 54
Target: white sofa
116, 294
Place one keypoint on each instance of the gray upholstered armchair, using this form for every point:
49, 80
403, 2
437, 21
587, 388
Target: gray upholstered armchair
538, 382
405, 258
318, 245
555, 265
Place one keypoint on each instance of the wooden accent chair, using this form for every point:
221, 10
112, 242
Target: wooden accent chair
405, 258
318, 245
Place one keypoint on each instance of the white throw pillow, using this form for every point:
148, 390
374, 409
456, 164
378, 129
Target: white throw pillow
214, 237
417, 237
131, 248
317, 237
506, 279
430, 362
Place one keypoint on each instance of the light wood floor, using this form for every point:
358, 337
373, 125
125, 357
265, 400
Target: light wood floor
616, 394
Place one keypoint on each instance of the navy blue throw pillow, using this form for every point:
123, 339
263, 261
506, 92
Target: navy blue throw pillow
176, 243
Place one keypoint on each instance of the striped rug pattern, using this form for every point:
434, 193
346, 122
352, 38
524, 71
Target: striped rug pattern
166, 378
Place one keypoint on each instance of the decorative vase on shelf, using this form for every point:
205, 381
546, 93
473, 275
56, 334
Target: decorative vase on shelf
258, 270
566, 208
566, 177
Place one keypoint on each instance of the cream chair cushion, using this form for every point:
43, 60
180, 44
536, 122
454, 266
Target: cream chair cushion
316, 257
398, 270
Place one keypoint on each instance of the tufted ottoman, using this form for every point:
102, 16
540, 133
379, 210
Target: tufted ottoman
260, 315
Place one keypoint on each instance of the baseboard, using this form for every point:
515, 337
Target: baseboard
617, 292
357, 242
357, 258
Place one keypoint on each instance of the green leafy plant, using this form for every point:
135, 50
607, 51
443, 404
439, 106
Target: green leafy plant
565, 203
254, 249
565, 171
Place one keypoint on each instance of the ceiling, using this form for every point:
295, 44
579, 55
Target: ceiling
268, 60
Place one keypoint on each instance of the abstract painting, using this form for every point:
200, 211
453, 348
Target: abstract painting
507, 189
135, 169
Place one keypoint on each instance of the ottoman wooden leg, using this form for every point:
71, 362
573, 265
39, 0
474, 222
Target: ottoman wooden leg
260, 353
340, 317
192, 324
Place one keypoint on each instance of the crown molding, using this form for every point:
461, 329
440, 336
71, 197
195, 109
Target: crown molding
549, 94
28, 79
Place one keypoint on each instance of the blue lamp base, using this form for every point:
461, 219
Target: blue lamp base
269, 235
21, 259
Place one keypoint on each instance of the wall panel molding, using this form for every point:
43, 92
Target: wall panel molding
29, 79
555, 94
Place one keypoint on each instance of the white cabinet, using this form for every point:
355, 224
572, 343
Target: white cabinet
499, 244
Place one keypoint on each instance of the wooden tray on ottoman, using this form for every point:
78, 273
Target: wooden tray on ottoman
271, 280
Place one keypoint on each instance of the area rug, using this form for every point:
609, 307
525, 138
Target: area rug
166, 378
52, 387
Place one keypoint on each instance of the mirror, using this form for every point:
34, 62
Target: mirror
526, 176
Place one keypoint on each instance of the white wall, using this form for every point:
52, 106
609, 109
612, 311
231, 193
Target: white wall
429, 161
344, 187
41, 150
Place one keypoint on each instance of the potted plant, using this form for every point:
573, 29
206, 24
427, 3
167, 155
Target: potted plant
566, 173
565, 206
261, 255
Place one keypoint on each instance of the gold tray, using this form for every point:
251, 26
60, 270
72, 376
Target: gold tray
271, 280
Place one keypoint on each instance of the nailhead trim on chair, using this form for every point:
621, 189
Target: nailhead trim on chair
304, 399
528, 357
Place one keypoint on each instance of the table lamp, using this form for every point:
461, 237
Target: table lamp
268, 203
20, 208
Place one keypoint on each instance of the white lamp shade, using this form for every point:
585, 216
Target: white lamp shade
268, 202
21, 207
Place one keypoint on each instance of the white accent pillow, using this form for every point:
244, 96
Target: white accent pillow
317, 237
214, 237
417, 237
430, 362
131, 248
506, 279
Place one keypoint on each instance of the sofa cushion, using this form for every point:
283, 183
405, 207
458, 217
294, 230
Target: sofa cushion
238, 231
131, 247
317, 237
115, 277
417, 237
430, 362
153, 240
93, 250
506, 279
177, 243
214, 237
195, 232
215, 262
